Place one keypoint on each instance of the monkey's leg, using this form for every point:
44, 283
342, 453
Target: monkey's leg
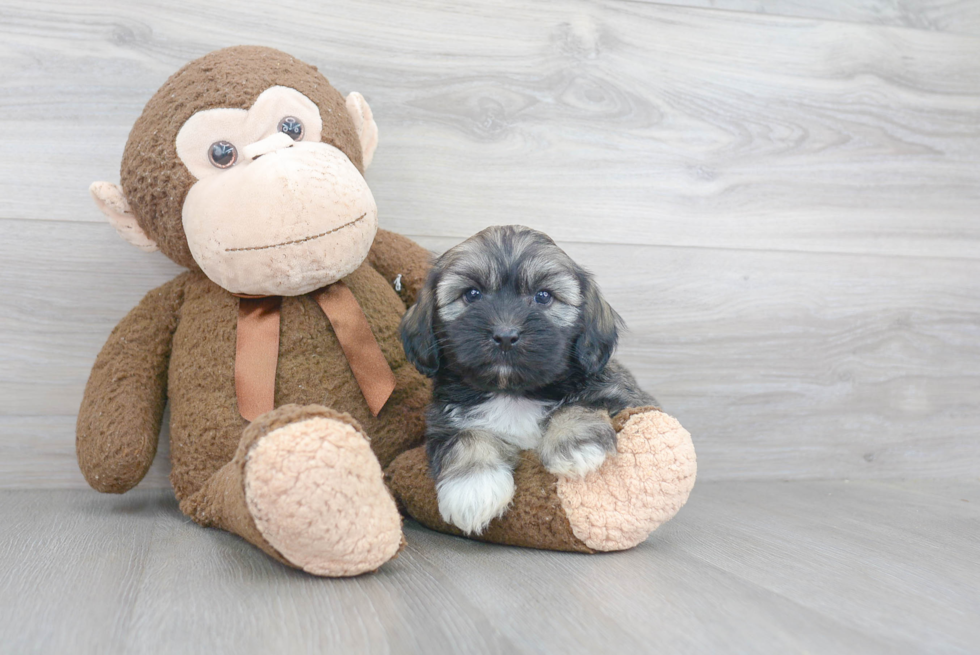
305, 487
612, 508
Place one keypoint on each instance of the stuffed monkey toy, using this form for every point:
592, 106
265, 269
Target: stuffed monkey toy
278, 350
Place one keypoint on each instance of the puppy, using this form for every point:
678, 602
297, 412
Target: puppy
517, 339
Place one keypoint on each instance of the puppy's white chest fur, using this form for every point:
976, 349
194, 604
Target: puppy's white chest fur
514, 419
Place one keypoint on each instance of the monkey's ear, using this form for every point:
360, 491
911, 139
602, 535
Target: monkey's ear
367, 129
110, 199
418, 335
600, 328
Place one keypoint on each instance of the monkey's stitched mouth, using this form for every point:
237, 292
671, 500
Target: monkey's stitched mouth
303, 240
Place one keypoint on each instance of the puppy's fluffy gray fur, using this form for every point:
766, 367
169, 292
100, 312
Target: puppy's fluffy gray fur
517, 339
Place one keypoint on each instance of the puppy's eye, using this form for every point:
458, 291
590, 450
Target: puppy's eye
472, 295
543, 297
222, 154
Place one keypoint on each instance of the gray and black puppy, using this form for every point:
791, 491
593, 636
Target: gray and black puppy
517, 339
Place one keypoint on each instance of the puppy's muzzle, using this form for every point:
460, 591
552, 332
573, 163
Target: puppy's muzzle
506, 337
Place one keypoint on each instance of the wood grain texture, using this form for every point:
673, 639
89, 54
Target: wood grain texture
664, 125
960, 16
784, 208
780, 198
827, 567
782, 365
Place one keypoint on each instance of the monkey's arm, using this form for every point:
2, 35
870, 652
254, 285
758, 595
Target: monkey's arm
122, 409
393, 255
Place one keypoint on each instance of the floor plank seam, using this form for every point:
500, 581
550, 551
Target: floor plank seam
800, 19
616, 244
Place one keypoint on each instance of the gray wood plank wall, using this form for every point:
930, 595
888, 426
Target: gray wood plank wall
781, 198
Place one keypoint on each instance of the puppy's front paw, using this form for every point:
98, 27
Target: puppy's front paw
576, 462
577, 442
472, 500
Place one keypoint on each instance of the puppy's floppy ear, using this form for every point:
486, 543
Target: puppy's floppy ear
418, 336
600, 328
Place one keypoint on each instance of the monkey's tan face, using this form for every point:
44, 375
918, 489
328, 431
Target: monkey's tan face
274, 210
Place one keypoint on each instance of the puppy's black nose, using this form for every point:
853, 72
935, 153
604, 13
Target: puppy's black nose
506, 337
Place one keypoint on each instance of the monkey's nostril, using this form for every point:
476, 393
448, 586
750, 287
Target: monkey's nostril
505, 338
262, 154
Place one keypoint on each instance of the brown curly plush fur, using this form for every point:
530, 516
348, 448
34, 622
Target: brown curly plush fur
180, 343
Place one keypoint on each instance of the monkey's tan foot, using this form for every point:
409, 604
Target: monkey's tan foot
305, 487
612, 508
316, 493
643, 486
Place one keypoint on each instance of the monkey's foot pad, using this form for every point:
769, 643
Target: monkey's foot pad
617, 506
316, 493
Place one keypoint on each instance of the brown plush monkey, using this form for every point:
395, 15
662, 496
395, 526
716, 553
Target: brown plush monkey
278, 350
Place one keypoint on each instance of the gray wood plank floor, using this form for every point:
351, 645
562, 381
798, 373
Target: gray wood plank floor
961, 16
816, 567
847, 367
676, 125
780, 198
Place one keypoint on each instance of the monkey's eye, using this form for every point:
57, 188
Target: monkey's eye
472, 295
542, 297
222, 154
291, 127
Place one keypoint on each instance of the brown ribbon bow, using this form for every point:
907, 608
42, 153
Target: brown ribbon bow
257, 349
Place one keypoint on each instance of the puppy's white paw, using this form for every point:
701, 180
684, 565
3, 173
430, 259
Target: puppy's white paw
472, 500
576, 462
